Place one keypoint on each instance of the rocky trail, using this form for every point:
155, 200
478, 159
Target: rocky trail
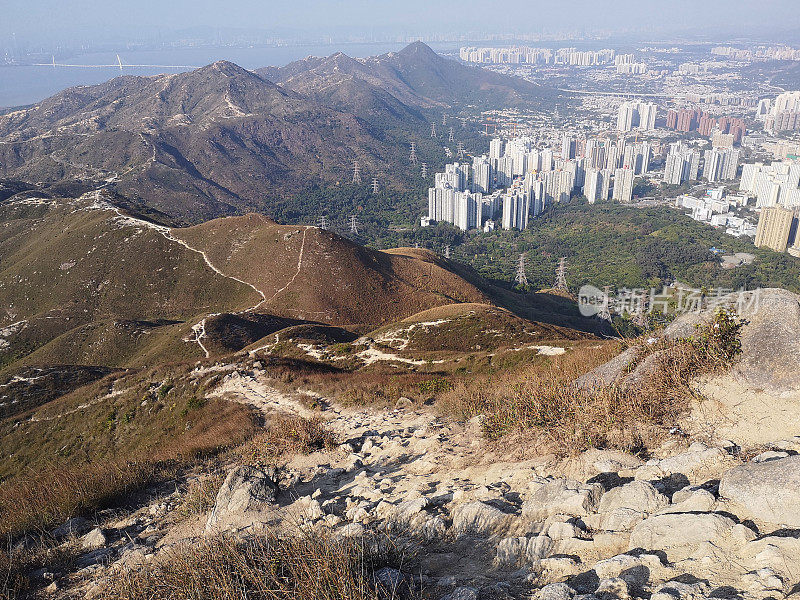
703, 516
695, 521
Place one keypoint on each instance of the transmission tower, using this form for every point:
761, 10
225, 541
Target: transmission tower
447, 251
424, 170
356, 172
354, 224
413, 156
375, 187
433, 130
452, 136
561, 275
448, 153
460, 149
605, 312
322, 223
444, 119
521, 278
640, 318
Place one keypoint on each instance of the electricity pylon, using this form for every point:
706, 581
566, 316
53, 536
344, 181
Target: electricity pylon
356, 172
561, 275
354, 224
521, 278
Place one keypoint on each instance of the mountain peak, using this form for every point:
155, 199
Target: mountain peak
418, 49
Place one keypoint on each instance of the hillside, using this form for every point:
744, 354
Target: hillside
195, 145
81, 283
223, 140
415, 76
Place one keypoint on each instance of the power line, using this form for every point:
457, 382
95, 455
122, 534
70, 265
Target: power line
561, 276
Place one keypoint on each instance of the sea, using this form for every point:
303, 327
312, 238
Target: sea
22, 85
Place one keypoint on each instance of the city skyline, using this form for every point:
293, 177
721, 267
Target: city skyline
45, 20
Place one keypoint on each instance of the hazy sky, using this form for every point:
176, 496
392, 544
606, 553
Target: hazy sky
29, 19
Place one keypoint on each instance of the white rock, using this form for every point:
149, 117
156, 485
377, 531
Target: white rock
479, 518
769, 455
246, 490
96, 538
767, 491
561, 496
679, 535
639, 496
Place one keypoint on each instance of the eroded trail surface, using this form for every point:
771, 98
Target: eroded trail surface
485, 521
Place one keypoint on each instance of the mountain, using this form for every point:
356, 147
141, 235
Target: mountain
223, 140
210, 142
415, 76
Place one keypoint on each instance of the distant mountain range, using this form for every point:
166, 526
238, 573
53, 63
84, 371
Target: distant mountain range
223, 140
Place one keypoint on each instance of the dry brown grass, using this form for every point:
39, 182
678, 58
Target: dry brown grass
303, 567
287, 435
543, 399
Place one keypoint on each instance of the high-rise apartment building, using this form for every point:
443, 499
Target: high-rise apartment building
720, 165
597, 184
623, 185
682, 164
774, 228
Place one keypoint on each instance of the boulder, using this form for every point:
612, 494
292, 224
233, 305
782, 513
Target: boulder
561, 496
462, 593
639, 496
246, 494
681, 535
766, 491
75, 526
609, 373
555, 591
96, 538
770, 339
515, 550
480, 518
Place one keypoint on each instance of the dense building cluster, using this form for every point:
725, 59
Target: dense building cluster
762, 52
782, 114
687, 120
537, 56
772, 185
517, 180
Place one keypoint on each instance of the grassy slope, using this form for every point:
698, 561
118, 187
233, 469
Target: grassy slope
338, 282
84, 283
